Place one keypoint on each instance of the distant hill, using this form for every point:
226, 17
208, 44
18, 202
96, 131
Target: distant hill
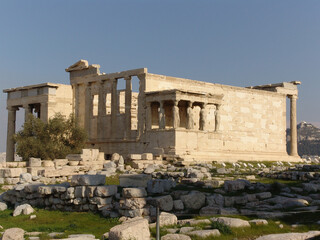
308, 139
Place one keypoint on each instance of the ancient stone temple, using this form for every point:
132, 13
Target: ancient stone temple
171, 117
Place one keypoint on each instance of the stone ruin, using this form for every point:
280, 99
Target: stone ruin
172, 118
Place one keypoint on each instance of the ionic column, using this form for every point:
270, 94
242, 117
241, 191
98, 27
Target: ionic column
176, 116
293, 126
27, 111
162, 118
128, 99
101, 110
149, 116
88, 109
11, 130
203, 117
190, 121
114, 107
217, 118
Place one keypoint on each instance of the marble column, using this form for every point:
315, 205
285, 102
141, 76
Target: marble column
217, 118
162, 118
27, 111
128, 99
88, 109
190, 120
293, 126
11, 130
101, 110
203, 117
149, 116
114, 107
141, 107
176, 115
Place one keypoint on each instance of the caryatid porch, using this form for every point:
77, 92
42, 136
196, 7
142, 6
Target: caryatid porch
176, 109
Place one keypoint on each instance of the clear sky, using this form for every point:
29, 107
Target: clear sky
233, 42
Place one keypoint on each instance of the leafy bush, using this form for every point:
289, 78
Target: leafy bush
55, 139
224, 229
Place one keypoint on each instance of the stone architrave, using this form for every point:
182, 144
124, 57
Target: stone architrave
190, 123
176, 115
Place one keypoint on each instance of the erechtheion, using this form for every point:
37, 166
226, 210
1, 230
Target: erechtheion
172, 117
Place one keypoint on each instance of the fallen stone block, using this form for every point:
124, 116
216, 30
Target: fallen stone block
193, 200
134, 180
25, 178
34, 162
88, 180
147, 156
35, 171
137, 229
12, 172
134, 156
60, 162
205, 233
106, 191
175, 236
167, 219
24, 209
13, 234
134, 192
47, 163
291, 236
165, 202
231, 222
178, 205
236, 185
258, 222
132, 203
3, 206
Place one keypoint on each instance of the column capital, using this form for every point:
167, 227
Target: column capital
293, 97
127, 78
12, 108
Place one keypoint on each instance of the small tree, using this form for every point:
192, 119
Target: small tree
55, 139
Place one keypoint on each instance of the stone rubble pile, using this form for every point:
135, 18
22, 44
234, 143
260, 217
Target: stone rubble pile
139, 195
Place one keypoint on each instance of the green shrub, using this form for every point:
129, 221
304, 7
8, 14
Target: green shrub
224, 229
55, 139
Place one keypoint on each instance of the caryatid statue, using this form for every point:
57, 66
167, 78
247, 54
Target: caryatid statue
162, 119
203, 117
190, 123
176, 115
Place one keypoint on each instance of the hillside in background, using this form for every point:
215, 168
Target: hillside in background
308, 139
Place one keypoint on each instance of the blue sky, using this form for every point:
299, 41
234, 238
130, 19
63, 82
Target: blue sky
233, 42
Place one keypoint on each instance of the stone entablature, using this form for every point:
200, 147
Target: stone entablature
189, 119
